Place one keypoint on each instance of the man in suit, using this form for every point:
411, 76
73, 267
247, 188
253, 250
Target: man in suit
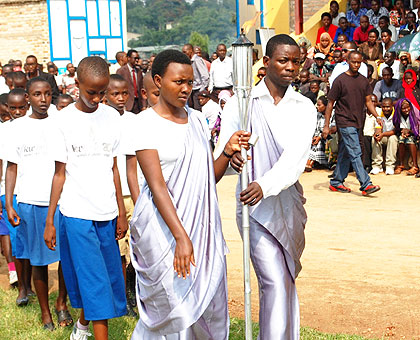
33, 71
133, 75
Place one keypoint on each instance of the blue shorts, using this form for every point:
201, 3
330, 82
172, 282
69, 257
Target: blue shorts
92, 267
12, 230
3, 227
30, 235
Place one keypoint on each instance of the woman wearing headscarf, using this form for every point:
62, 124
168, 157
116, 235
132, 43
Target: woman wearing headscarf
411, 91
325, 46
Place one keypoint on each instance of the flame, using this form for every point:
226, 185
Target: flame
247, 25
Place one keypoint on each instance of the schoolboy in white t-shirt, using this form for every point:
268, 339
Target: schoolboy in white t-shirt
30, 163
87, 182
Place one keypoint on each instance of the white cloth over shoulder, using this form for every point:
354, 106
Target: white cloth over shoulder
292, 121
88, 143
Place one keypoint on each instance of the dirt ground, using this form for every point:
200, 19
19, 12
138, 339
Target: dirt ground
360, 262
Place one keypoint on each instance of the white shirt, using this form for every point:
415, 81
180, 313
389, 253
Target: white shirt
114, 68
29, 148
88, 143
344, 67
292, 121
221, 73
337, 18
211, 110
405, 123
126, 119
395, 69
157, 133
387, 123
4, 145
369, 127
3, 87
394, 34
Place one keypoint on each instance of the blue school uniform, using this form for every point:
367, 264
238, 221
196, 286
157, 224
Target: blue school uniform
92, 268
30, 242
12, 230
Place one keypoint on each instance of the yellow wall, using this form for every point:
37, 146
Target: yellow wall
277, 15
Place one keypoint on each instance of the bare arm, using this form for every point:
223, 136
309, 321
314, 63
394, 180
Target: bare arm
11, 174
122, 224
371, 108
56, 189
328, 112
238, 139
184, 252
133, 182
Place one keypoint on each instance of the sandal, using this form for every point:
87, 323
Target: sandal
413, 170
49, 326
64, 318
398, 169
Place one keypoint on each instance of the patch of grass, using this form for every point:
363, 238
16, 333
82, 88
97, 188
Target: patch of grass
24, 323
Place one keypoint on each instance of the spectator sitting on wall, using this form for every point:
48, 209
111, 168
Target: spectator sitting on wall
361, 33
327, 27
344, 28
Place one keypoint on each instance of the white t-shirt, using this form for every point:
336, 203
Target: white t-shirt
211, 110
405, 123
4, 145
395, 69
30, 149
88, 143
157, 133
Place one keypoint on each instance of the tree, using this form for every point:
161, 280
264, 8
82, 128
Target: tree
202, 40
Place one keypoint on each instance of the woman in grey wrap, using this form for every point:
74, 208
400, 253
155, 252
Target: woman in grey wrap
177, 246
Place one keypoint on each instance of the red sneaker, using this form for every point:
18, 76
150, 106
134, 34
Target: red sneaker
339, 188
370, 189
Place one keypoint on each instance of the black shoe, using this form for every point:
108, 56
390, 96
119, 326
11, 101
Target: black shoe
22, 301
49, 327
130, 311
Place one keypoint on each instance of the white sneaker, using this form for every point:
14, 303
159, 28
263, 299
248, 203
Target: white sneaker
79, 334
375, 171
389, 171
13, 277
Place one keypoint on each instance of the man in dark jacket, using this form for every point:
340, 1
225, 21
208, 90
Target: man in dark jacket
33, 71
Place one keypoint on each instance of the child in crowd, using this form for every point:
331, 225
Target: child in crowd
314, 87
17, 105
406, 127
209, 107
6, 245
116, 96
63, 101
318, 70
87, 182
317, 153
30, 163
19, 80
303, 83
368, 132
385, 136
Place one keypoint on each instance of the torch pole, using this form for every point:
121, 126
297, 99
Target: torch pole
242, 80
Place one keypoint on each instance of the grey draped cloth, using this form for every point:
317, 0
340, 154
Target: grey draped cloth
283, 215
168, 304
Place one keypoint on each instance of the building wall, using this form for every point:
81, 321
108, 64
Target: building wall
24, 30
309, 9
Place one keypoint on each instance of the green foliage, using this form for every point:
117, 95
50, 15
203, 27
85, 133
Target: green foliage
202, 40
214, 18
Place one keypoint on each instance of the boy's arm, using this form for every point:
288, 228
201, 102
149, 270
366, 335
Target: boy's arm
56, 189
11, 174
122, 224
133, 182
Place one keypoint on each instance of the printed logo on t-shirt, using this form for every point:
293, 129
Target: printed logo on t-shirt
96, 149
31, 150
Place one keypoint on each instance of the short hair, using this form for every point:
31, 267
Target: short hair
314, 82
17, 92
352, 44
130, 52
92, 67
354, 52
358, 1
65, 96
164, 58
370, 68
387, 31
220, 45
343, 35
32, 56
191, 46
388, 69
377, 1
326, 14
279, 39
35, 80
334, 2
8, 65
338, 51
118, 55
10, 75
3, 98
384, 17
263, 68
18, 75
117, 78
387, 99
374, 30
342, 18
323, 99
393, 53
